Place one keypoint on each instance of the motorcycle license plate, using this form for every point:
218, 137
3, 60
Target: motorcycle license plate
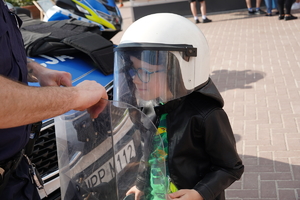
106, 172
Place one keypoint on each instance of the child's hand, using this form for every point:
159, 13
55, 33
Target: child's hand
137, 193
186, 195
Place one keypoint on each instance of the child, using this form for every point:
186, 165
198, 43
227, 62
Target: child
163, 62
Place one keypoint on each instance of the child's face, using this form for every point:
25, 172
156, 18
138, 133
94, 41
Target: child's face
150, 80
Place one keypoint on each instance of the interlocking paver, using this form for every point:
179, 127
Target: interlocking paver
255, 63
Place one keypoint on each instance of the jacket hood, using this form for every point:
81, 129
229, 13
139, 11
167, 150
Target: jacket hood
210, 90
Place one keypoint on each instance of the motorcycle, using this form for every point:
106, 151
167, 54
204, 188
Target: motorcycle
101, 158
104, 13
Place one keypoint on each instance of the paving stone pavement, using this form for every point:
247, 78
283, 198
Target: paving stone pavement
255, 63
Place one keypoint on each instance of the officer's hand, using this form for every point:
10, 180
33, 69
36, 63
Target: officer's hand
50, 77
46, 76
91, 96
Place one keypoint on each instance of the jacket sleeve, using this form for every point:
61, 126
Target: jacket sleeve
220, 145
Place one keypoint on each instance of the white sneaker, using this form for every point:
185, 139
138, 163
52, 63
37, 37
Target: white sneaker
295, 6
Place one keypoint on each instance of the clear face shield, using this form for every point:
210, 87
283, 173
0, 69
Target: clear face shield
145, 76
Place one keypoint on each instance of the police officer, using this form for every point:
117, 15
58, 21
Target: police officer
22, 105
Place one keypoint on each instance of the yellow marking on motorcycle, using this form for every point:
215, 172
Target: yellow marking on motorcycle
94, 17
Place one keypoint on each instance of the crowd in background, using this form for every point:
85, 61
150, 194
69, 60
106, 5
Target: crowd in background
282, 8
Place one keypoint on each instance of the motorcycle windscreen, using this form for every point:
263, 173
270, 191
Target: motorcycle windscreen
104, 158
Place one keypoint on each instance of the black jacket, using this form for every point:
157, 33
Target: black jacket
202, 150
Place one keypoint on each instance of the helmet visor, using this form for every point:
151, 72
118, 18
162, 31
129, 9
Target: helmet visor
145, 77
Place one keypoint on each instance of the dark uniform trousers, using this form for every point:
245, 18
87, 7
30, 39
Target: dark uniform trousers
19, 186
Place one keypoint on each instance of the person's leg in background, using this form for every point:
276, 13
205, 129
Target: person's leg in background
280, 5
275, 7
249, 7
258, 2
193, 5
258, 11
203, 12
288, 6
269, 7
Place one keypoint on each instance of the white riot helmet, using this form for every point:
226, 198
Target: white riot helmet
161, 57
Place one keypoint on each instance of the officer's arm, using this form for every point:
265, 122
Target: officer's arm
21, 104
